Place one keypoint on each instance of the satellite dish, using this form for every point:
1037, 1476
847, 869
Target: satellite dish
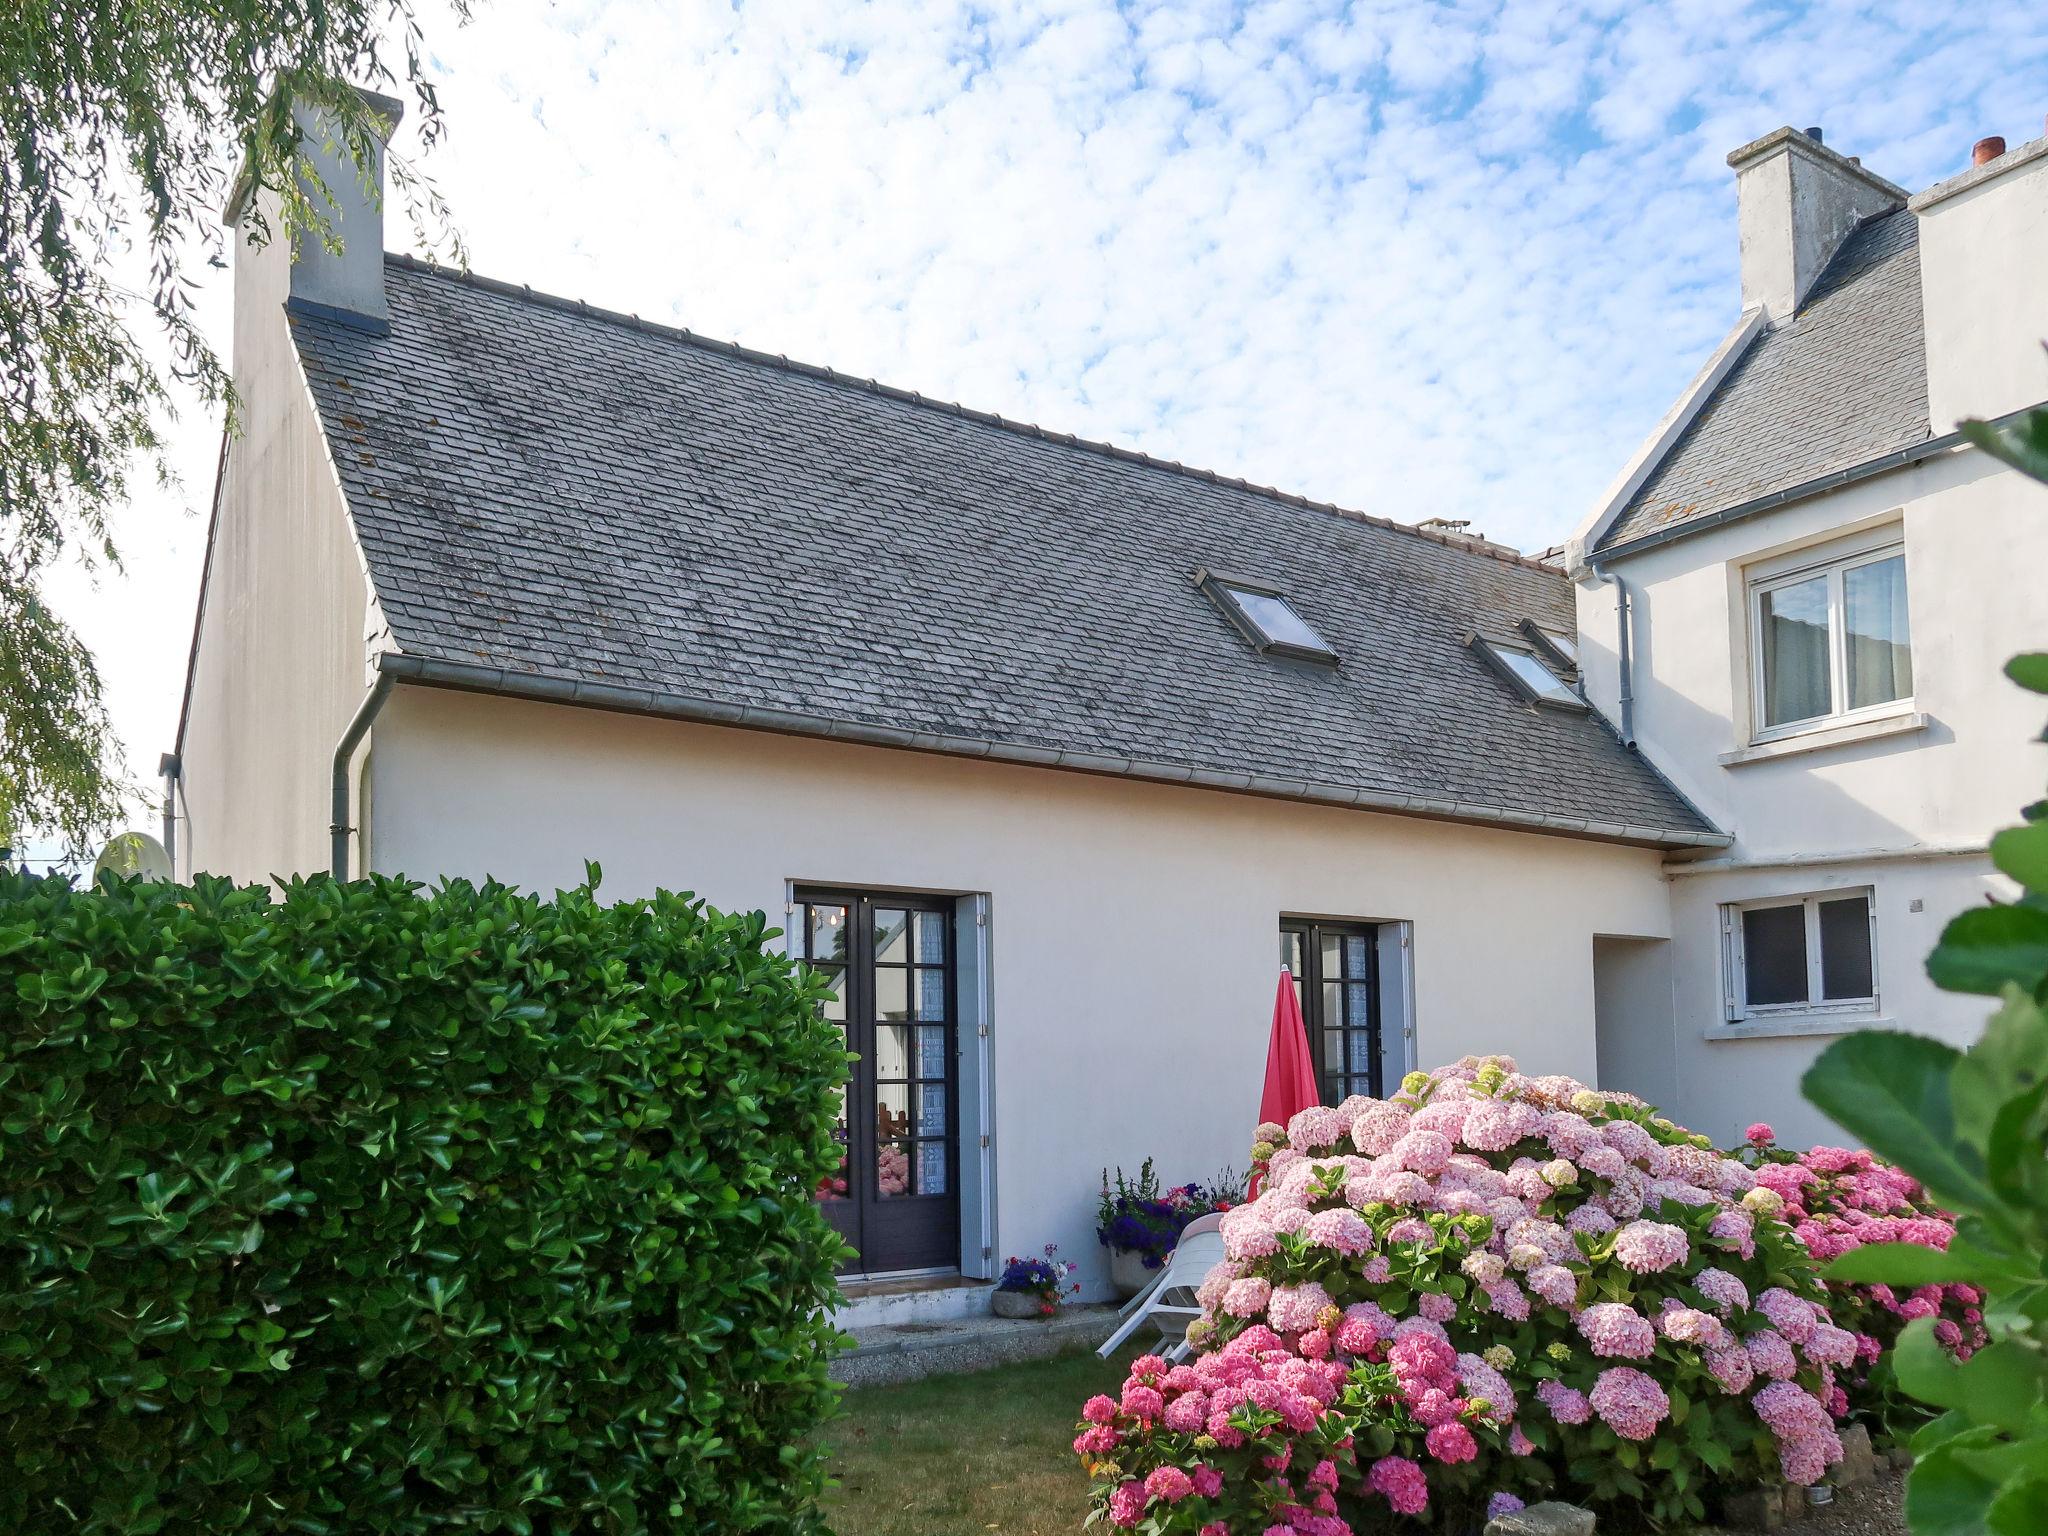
133, 855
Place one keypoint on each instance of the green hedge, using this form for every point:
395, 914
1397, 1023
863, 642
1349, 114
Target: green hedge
367, 1209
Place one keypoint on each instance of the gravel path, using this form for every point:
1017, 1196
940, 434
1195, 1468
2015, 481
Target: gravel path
1871, 1510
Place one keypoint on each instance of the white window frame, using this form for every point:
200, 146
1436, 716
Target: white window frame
1832, 562
1735, 969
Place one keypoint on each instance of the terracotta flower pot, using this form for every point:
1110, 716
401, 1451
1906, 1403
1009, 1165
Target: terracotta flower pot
1017, 1304
1127, 1272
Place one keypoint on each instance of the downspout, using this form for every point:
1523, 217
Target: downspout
169, 766
1624, 650
339, 828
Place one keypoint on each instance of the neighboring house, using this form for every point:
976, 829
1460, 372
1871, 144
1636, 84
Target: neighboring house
1822, 584
1047, 751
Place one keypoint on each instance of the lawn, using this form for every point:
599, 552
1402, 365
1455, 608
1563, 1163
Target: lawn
963, 1454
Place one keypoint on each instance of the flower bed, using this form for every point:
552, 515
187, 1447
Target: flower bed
1837, 1200
1137, 1216
1488, 1289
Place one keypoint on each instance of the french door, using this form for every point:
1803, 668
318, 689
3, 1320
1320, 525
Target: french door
1336, 969
890, 961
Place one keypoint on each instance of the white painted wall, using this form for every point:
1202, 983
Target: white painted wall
1135, 945
1984, 281
278, 667
1843, 814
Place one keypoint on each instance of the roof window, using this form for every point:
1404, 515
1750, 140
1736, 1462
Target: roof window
1532, 676
1563, 648
1264, 616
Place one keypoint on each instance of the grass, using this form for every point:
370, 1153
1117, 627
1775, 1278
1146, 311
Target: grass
957, 1455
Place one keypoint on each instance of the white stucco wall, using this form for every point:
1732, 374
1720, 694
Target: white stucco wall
1969, 527
1134, 926
279, 663
1984, 287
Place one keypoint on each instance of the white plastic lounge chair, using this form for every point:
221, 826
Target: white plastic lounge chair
1170, 1301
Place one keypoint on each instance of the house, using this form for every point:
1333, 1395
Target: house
1047, 752
1796, 600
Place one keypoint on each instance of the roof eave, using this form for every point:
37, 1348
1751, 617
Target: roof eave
475, 677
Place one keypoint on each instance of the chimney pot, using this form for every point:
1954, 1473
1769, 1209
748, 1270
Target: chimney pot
1987, 150
1814, 134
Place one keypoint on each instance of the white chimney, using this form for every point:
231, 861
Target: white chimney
1796, 202
347, 283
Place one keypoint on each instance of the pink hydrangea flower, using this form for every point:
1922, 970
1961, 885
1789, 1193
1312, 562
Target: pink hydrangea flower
1401, 1482
1099, 1410
1436, 1306
1759, 1134
1343, 1230
1771, 1355
1554, 1283
1731, 1368
1724, 1290
1791, 1315
1313, 1128
1377, 1129
1169, 1485
1567, 1405
1247, 1297
1127, 1504
1423, 1152
1095, 1440
1629, 1402
1295, 1308
1451, 1442
1616, 1330
1648, 1247
1207, 1480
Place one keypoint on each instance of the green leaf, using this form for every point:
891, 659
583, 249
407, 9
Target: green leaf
1925, 1369
1987, 948
2003, 1384
1901, 1264
2019, 1509
2021, 442
2022, 852
1944, 1497
2029, 670
1892, 1090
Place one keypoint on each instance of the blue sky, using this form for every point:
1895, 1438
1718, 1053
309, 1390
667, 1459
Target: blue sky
1419, 259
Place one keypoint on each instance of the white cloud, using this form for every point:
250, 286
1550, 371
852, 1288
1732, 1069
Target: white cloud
1419, 258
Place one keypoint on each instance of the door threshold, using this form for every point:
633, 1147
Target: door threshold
905, 1282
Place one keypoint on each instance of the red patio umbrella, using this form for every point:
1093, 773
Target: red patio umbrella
1290, 1070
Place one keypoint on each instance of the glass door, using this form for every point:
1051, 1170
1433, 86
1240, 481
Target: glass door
890, 960
1336, 974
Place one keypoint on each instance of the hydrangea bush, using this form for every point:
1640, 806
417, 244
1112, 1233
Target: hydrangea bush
1838, 1200
1487, 1289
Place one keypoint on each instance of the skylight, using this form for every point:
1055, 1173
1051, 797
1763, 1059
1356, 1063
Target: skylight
1531, 674
1565, 646
1265, 616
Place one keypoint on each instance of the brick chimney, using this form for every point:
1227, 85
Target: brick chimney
1796, 202
347, 283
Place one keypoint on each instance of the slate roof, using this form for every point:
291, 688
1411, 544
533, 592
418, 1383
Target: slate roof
1842, 383
545, 488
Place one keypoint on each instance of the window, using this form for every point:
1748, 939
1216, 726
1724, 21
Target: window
1800, 954
1532, 676
1560, 646
1336, 973
1265, 617
1832, 641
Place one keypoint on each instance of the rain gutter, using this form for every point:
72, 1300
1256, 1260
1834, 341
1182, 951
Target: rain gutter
472, 677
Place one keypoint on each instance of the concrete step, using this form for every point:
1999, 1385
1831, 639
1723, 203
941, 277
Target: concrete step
914, 1350
898, 1303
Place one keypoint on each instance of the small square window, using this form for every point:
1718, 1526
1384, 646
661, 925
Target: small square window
1531, 675
1800, 954
1265, 617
